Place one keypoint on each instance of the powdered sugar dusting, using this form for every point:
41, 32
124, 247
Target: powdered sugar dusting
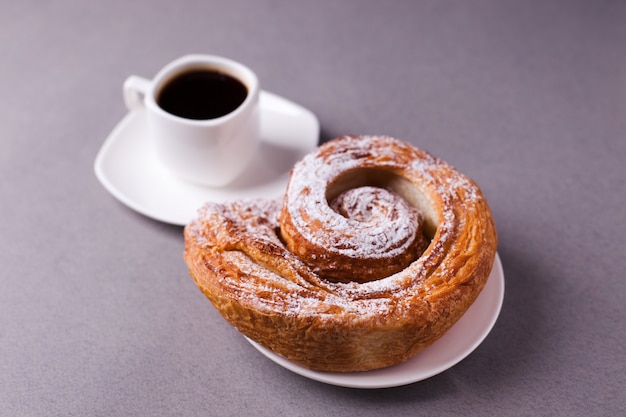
307, 205
375, 221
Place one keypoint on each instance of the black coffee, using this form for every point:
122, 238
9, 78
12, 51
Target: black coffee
202, 94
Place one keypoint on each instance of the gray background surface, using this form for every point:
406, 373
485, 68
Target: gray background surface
98, 316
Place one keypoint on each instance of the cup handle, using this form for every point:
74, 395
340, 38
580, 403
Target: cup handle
135, 90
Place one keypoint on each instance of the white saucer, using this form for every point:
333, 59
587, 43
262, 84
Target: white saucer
127, 167
453, 347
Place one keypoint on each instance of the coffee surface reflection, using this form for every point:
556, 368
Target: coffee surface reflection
202, 94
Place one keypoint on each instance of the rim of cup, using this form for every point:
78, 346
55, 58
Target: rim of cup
203, 62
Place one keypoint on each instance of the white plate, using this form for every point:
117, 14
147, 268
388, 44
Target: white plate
453, 347
127, 167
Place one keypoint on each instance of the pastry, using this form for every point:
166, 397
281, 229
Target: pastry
375, 251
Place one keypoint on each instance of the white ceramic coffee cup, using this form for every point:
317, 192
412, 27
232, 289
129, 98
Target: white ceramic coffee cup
210, 152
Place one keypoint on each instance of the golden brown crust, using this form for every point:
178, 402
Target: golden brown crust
270, 267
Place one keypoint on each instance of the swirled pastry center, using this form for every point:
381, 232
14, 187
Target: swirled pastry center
376, 223
343, 218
